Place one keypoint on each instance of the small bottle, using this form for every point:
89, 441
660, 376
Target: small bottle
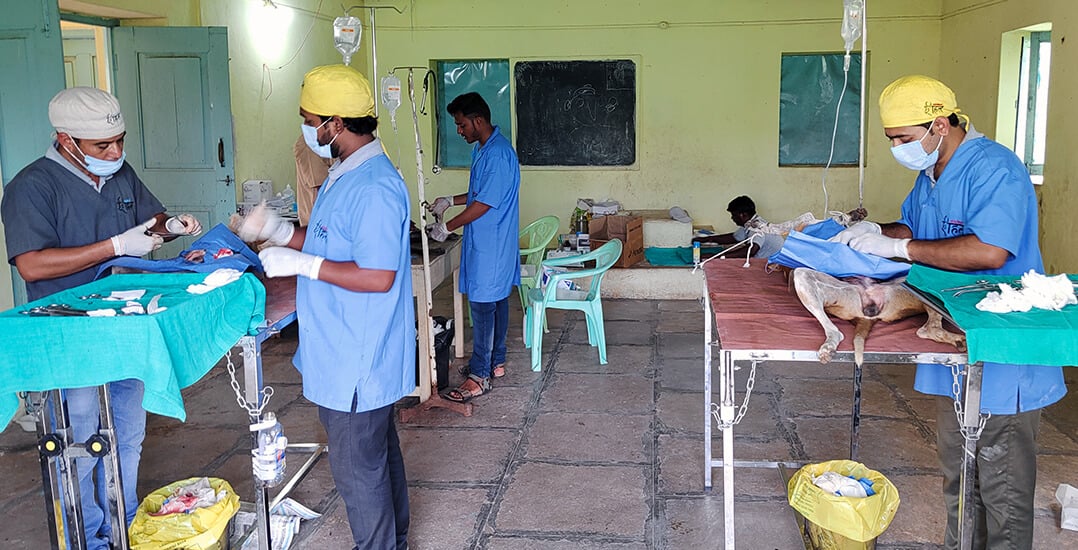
696, 253
269, 458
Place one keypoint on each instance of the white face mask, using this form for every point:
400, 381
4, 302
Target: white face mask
310, 136
912, 155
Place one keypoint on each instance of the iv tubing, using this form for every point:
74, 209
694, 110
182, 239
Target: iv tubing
861, 156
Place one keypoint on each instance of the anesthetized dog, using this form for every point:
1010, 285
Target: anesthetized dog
863, 301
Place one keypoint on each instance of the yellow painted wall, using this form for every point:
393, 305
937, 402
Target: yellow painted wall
970, 49
708, 105
270, 50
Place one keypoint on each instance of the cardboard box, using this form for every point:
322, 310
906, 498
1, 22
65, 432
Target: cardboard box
630, 229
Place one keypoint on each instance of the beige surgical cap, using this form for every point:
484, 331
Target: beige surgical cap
336, 90
86, 113
916, 99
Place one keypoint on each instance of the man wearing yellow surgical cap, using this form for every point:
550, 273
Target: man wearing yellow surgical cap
972, 209
353, 300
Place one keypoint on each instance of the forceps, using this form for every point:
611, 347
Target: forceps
55, 310
980, 286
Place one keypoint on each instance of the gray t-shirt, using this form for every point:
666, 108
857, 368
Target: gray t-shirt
769, 244
46, 206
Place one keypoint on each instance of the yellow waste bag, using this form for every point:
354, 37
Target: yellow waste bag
202, 529
856, 519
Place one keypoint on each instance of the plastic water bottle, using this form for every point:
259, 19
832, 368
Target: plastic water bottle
269, 458
696, 253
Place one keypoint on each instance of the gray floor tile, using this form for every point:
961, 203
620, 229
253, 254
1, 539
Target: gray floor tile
589, 437
455, 455
575, 499
600, 393
698, 523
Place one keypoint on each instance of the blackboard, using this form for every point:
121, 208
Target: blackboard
809, 94
576, 113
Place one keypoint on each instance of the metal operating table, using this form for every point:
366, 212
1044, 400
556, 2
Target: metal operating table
751, 316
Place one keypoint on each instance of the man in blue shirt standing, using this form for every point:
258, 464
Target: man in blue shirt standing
353, 301
972, 209
490, 261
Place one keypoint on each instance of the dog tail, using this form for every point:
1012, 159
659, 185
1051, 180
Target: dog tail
860, 334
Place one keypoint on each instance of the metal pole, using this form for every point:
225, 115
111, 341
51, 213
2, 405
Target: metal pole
971, 423
113, 473
707, 389
855, 421
726, 414
374, 62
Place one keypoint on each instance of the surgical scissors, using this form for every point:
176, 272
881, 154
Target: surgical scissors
55, 310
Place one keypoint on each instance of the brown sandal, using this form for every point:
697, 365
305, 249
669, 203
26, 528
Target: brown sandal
464, 394
498, 371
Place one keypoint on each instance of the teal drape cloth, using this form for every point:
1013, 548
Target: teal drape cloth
1035, 337
168, 351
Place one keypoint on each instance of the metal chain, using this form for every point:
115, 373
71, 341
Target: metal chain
749, 385
956, 392
252, 410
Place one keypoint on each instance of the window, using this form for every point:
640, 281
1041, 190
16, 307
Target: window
1032, 104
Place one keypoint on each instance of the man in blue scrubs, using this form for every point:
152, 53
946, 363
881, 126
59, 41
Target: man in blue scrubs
490, 261
64, 215
972, 209
353, 300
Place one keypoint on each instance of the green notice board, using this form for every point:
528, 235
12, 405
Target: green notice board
490, 78
809, 95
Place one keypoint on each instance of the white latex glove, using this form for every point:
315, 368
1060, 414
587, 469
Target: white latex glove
881, 245
864, 227
280, 261
135, 241
441, 204
263, 224
437, 231
184, 224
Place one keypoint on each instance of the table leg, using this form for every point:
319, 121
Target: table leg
971, 427
855, 421
425, 360
252, 384
113, 476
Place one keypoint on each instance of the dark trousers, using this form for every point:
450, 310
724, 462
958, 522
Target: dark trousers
1005, 481
368, 469
490, 324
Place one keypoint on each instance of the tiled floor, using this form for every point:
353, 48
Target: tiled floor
583, 455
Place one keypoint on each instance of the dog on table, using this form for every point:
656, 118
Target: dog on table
864, 301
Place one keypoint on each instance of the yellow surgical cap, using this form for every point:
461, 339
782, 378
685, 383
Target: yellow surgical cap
915, 99
336, 90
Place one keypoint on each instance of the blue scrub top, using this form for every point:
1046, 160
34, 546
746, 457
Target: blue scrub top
985, 190
358, 343
490, 260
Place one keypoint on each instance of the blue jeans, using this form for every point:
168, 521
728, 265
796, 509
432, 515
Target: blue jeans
368, 471
129, 420
490, 324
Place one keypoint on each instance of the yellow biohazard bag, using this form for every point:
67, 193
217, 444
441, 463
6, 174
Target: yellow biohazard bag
202, 529
843, 523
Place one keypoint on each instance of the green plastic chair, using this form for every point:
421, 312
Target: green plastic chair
533, 240
542, 299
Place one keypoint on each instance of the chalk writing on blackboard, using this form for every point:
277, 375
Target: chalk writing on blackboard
576, 113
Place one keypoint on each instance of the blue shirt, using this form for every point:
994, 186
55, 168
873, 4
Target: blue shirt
358, 343
985, 191
490, 259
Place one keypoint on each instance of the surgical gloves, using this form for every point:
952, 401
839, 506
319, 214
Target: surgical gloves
263, 224
135, 241
184, 224
881, 245
437, 231
441, 204
280, 261
864, 227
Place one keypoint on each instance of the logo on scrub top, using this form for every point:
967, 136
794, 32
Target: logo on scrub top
952, 228
124, 204
321, 232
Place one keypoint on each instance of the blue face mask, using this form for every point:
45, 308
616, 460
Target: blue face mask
912, 155
310, 135
98, 167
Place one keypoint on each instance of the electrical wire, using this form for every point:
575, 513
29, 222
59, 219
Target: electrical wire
267, 75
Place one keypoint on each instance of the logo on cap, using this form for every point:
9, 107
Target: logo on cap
933, 108
113, 118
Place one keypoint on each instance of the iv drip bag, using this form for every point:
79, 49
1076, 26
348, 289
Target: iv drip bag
391, 96
347, 31
852, 14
